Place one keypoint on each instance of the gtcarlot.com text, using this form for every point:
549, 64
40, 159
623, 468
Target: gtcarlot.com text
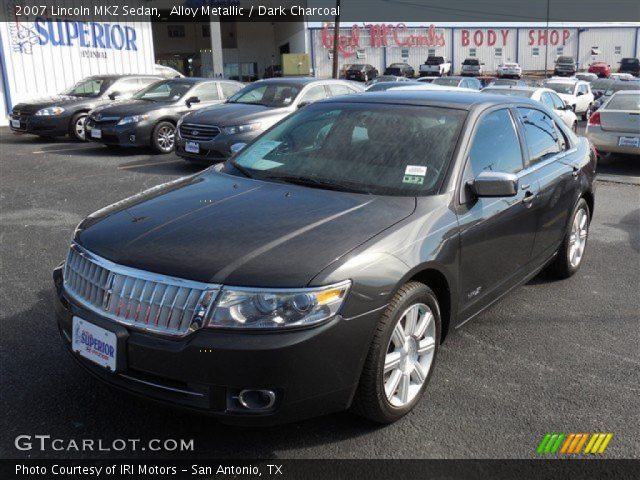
44, 443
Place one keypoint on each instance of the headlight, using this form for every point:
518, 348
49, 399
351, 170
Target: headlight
242, 128
132, 119
50, 111
276, 309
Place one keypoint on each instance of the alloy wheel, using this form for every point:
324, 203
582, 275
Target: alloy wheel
166, 138
78, 127
578, 237
409, 355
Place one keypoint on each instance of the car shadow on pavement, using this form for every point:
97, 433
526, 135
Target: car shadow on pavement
72, 404
623, 165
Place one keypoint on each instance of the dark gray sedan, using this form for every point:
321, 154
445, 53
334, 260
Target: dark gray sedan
207, 136
150, 117
321, 267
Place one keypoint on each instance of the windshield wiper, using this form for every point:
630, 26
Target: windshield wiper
241, 169
318, 183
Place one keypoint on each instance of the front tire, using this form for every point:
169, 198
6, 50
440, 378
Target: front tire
571, 252
76, 127
163, 137
401, 356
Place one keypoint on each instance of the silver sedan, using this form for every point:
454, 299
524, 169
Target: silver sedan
615, 127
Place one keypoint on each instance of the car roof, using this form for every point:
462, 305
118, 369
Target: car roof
299, 80
461, 100
521, 88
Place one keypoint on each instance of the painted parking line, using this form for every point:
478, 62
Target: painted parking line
65, 149
149, 164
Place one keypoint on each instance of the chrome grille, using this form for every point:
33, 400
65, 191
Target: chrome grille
136, 298
194, 131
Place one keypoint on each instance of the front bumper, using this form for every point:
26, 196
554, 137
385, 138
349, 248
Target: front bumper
129, 135
48, 126
564, 72
215, 150
313, 371
510, 73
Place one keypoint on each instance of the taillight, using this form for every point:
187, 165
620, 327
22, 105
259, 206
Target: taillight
594, 119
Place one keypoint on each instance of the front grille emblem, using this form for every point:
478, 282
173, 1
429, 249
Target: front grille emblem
195, 132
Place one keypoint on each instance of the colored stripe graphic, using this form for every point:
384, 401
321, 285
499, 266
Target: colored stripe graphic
572, 443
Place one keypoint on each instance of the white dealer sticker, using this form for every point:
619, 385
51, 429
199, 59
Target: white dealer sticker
416, 170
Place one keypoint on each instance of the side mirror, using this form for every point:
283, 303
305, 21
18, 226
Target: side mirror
494, 184
192, 100
579, 94
114, 95
236, 147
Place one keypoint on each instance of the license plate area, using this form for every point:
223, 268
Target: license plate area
629, 142
96, 133
15, 123
99, 345
192, 147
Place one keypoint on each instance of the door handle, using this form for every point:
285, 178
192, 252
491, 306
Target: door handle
528, 197
576, 172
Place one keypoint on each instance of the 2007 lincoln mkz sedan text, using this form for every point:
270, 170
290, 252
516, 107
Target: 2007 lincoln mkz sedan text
321, 267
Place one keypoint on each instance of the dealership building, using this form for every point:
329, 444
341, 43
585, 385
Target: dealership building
44, 56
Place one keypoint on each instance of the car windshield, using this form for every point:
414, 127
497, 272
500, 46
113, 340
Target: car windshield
509, 91
384, 78
471, 61
565, 60
616, 87
164, 91
356, 67
504, 81
435, 60
624, 101
561, 87
629, 61
276, 95
601, 84
90, 87
449, 82
358, 147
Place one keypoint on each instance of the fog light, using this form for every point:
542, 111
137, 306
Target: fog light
132, 138
257, 399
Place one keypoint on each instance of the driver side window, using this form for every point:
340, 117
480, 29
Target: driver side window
314, 94
495, 146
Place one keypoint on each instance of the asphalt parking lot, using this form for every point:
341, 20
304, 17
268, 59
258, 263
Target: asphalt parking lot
553, 356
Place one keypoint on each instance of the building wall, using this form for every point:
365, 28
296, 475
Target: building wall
493, 45
35, 66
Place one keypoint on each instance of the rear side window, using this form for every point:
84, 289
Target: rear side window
541, 135
206, 92
338, 89
547, 100
495, 146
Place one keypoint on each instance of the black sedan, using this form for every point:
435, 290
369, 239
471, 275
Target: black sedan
400, 70
361, 72
322, 266
65, 114
150, 117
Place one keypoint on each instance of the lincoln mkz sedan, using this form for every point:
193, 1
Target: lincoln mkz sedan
321, 267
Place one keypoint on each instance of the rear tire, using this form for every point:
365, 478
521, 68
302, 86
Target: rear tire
76, 127
571, 252
163, 139
395, 377
587, 113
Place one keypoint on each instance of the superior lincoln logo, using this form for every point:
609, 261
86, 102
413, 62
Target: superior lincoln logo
574, 443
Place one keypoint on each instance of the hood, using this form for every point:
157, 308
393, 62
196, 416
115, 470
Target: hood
130, 107
220, 228
36, 104
228, 114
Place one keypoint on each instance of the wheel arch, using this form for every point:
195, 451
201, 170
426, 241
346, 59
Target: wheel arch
591, 201
437, 280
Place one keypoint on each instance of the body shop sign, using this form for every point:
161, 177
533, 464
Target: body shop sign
382, 35
490, 37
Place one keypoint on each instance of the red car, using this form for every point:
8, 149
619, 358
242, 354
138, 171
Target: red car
603, 70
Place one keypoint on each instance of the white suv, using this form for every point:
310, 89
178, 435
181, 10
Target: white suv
435, 66
575, 93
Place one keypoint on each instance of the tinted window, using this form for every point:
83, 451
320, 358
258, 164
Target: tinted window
206, 92
88, 88
495, 146
372, 148
229, 89
624, 102
540, 133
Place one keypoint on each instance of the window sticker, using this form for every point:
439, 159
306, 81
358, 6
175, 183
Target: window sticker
417, 170
413, 179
